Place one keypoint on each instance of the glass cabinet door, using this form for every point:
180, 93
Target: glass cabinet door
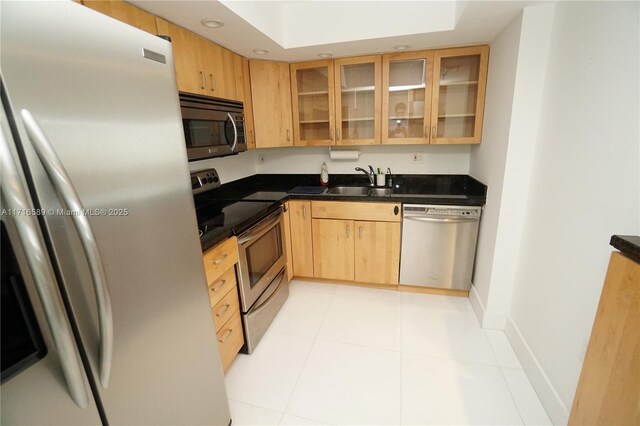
406, 91
313, 111
357, 91
458, 97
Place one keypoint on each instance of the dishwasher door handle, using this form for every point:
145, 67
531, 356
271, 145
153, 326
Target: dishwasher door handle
441, 220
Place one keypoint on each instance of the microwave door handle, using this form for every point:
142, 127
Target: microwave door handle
235, 132
58, 175
39, 264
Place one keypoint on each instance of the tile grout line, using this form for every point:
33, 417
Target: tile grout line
261, 407
306, 360
506, 382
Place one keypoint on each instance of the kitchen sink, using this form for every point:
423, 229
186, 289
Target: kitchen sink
362, 191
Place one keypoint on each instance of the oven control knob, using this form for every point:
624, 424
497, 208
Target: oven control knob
215, 179
210, 180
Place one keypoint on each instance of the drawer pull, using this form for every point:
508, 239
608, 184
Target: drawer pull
223, 310
227, 334
219, 286
220, 259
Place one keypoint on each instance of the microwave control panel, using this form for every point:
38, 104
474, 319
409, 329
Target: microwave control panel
204, 180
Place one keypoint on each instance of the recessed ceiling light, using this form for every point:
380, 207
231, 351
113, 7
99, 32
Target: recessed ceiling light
260, 51
212, 23
325, 55
401, 46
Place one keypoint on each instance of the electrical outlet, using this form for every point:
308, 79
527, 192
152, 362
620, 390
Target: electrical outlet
417, 158
261, 158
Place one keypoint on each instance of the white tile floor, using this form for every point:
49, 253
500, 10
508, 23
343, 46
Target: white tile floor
351, 355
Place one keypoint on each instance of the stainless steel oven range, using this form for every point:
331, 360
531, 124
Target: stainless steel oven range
262, 276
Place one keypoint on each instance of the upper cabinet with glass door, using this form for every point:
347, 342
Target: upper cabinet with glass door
406, 97
460, 79
313, 104
357, 83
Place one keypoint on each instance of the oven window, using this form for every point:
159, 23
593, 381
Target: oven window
202, 133
263, 254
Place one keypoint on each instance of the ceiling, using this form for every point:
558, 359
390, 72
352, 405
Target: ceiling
301, 30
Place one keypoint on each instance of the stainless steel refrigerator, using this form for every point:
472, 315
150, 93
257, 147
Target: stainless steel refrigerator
107, 312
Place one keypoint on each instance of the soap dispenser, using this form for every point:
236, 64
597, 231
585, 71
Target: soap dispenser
324, 175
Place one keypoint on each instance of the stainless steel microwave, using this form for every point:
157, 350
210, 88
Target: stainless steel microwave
212, 127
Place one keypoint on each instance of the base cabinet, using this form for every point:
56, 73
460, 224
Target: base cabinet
355, 241
220, 269
608, 392
301, 238
333, 249
377, 252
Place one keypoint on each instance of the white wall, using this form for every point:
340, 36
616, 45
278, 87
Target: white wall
487, 160
520, 54
585, 186
436, 160
229, 168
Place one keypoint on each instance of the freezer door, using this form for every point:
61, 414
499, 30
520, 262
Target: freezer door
43, 379
104, 95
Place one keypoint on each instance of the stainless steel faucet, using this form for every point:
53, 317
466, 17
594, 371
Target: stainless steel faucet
370, 174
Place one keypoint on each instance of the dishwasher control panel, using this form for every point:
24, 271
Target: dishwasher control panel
430, 210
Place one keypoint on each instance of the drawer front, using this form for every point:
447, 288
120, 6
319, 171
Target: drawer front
220, 258
380, 212
220, 287
224, 309
230, 340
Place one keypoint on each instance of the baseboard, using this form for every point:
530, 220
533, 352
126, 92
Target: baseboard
476, 304
553, 404
491, 320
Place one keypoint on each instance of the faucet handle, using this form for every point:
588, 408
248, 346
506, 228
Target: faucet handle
371, 170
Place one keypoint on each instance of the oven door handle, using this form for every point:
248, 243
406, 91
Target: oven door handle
260, 304
261, 228
235, 132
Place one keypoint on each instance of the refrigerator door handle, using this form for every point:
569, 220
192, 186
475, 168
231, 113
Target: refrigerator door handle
45, 282
63, 185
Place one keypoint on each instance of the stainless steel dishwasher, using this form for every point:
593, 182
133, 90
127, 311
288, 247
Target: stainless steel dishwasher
438, 245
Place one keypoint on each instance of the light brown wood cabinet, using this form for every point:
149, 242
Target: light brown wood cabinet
457, 101
354, 241
358, 100
248, 105
124, 12
287, 240
203, 67
377, 252
220, 269
407, 79
333, 249
312, 97
608, 392
271, 98
301, 238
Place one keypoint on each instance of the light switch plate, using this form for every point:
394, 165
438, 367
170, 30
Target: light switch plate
417, 158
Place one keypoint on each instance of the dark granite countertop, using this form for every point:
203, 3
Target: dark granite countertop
629, 245
424, 189
408, 189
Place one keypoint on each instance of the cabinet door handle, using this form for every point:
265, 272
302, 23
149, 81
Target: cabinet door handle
433, 132
213, 83
360, 232
347, 229
219, 286
426, 132
331, 134
227, 334
224, 310
220, 259
337, 134
204, 82
288, 135
251, 137
304, 212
